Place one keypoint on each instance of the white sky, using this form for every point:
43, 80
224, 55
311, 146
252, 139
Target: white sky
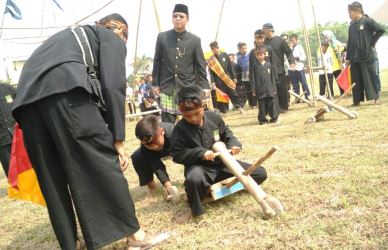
239, 20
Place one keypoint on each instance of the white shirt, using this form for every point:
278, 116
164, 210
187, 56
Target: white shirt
327, 62
298, 51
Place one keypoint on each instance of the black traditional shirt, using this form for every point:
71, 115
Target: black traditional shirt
57, 66
363, 35
178, 61
190, 142
7, 123
280, 48
263, 80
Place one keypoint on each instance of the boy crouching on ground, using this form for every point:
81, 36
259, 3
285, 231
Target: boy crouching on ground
192, 140
154, 137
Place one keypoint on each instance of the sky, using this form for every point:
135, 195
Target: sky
240, 18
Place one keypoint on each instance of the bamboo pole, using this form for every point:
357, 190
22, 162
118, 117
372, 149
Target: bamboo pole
219, 20
320, 50
309, 60
137, 29
157, 16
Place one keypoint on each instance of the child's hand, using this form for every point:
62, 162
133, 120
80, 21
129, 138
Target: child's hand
253, 93
209, 155
235, 150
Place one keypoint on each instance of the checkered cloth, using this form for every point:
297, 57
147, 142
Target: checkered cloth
167, 104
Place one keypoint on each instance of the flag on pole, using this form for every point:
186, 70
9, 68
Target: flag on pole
12, 8
22, 181
344, 78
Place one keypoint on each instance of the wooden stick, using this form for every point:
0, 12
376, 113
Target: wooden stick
300, 98
319, 115
250, 185
255, 165
143, 113
301, 95
350, 114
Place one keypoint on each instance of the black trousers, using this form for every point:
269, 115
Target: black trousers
363, 74
72, 153
5, 154
282, 92
147, 165
267, 105
322, 84
236, 101
336, 73
200, 178
248, 92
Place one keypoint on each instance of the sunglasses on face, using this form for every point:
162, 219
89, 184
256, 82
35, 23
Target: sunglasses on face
181, 16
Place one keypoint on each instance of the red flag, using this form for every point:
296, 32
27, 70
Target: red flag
22, 180
344, 79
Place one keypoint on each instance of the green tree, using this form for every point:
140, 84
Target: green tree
340, 31
141, 66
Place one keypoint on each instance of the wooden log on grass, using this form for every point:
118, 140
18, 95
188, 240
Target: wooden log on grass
350, 114
249, 184
320, 115
300, 98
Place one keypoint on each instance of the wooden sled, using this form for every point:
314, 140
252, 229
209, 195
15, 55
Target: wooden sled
320, 114
242, 178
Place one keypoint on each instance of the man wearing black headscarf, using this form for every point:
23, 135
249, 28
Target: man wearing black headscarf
364, 33
178, 61
77, 149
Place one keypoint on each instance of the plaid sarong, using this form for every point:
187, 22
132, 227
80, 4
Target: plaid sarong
215, 65
167, 104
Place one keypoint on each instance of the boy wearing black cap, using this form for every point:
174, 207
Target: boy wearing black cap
178, 61
264, 87
154, 137
364, 33
192, 140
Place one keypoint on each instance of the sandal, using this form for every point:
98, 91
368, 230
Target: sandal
149, 241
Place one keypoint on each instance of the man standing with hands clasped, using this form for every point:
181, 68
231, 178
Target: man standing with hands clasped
178, 62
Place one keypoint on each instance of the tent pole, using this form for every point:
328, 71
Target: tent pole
309, 60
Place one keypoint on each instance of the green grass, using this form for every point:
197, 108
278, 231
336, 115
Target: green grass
331, 176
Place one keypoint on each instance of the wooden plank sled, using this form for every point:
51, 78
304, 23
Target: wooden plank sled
220, 190
300, 98
247, 181
320, 115
330, 104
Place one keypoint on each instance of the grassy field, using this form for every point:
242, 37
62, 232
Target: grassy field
331, 176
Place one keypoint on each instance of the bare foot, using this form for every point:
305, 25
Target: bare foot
183, 218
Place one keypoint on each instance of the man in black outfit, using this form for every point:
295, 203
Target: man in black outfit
7, 123
178, 61
77, 149
223, 60
364, 33
280, 48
